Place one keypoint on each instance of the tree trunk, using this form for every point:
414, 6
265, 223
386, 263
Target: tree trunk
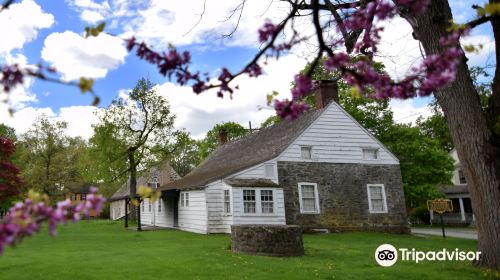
474, 140
132, 183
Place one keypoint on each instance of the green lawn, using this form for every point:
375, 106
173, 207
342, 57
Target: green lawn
104, 250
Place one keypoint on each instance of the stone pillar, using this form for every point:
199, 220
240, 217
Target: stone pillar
462, 211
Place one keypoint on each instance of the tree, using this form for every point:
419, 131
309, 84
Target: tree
424, 164
136, 130
11, 183
8, 132
211, 140
50, 157
184, 156
436, 128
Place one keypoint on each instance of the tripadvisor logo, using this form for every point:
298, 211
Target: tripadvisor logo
387, 255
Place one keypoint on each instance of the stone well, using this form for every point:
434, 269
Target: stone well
268, 240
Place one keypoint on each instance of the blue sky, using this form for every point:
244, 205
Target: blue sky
46, 30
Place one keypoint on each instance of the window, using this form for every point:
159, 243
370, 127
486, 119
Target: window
143, 206
153, 183
461, 177
266, 201
83, 196
305, 152
370, 153
269, 170
184, 199
149, 205
227, 202
376, 198
249, 201
308, 197
73, 197
159, 205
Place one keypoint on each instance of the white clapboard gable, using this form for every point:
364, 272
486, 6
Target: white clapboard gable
336, 137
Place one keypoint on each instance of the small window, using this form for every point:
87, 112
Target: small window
227, 202
249, 201
269, 170
143, 206
370, 153
184, 199
376, 199
306, 152
266, 200
83, 196
159, 205
461, 177
308, 195
149, 205
73, 197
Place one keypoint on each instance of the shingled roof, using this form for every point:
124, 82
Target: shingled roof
245, 152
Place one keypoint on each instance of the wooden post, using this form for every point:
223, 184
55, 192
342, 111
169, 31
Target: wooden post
442, 224
139, 215
126, 212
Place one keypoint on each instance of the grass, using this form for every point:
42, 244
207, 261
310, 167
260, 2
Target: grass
104, 250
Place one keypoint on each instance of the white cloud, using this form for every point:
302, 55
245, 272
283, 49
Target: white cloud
91, 16
406, 111
164, 22
19, 24
20, 96
79, 119
75, 56
199, 113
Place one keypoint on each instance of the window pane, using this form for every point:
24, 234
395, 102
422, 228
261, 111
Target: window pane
249, 207
305, 152
227, 202
309, 204
186, 196
266, 198
269, 169
461, 177
159, 205
370, 153
308, 191
249, 201
378, 205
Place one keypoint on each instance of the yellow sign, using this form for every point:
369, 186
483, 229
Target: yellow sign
440, 205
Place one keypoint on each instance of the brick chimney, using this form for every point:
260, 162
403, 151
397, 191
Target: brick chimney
222, 137
326, 91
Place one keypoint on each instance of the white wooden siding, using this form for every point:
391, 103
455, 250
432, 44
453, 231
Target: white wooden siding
163, 218
218, 221
277, 218
337, 138
194, 217
257, 171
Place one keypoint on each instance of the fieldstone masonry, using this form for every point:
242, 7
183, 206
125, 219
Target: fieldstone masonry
268, 240
343, 196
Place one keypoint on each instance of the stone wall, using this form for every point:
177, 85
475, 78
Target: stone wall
268, 240
343, 197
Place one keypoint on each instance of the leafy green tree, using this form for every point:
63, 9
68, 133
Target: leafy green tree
374, 115
184, 155
136, 130
8, 132
50, 156
436, 128
424, 164
211, 140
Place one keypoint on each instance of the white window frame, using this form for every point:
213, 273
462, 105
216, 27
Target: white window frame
316, 196
185, 200
150, 206
224, 201
370, 199
159, 205
256, 195
258, 202
272, 201
376, 150
310, 152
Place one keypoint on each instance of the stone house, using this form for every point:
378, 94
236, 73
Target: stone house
458, 193
320, 171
